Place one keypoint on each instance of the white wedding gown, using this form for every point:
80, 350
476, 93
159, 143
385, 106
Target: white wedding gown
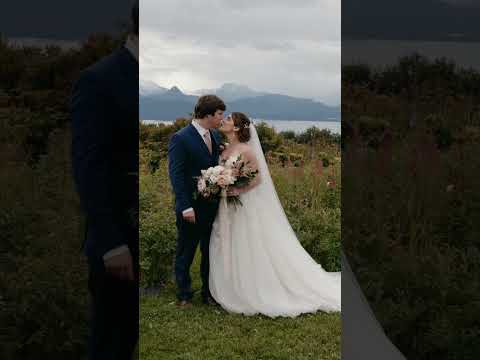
257, 264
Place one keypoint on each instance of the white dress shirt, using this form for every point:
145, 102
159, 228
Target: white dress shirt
132, 45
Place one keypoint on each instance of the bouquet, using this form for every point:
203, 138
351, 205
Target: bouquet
216, 181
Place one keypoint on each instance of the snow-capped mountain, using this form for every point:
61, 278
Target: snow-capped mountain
173, 103
148, 87
231, 92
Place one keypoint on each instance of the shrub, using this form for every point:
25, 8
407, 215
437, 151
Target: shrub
288, 135
157, 227
269, 139
319, 136
43, 285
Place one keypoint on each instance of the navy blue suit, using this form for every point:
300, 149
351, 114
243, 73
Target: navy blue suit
188, 155
105, 166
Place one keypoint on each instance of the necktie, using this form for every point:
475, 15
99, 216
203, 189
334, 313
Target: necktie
208, 141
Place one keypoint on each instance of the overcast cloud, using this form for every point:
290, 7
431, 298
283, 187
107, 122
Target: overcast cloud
283, 46
460, 2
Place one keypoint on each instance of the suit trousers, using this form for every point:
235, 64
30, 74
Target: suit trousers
189, 237
114, 315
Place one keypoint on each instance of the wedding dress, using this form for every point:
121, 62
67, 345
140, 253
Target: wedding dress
257, 264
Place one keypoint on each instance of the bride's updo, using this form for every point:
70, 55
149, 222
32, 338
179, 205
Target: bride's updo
241, 121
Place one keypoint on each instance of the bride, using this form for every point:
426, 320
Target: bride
257, 264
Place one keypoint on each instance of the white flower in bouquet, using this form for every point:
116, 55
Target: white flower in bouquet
202, 185
213, 179
217, 170
230, 161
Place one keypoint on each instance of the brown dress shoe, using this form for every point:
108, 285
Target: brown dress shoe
184, 303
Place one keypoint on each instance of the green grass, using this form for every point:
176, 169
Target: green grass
206, 332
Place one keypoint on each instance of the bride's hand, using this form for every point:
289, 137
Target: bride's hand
233, 192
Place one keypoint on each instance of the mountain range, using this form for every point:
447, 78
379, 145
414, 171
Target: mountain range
159, 103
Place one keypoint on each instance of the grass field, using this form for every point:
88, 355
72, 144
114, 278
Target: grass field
206, 332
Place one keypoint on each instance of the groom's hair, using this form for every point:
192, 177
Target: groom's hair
208, 105
134, 18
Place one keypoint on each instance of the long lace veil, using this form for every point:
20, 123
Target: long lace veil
266, 179
266, 194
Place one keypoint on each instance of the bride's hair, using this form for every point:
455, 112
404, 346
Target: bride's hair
241, 121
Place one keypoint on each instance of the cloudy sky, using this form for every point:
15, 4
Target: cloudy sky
63, 20
290, 47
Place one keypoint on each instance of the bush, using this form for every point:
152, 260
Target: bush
326, 159
412, 239
313, 209
314, 135
269, 139
410, 211
288, 135
157, 227
43, 280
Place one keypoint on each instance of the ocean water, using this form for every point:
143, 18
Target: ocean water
284, 125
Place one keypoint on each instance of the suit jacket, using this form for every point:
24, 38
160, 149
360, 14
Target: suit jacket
187, 156
105, 131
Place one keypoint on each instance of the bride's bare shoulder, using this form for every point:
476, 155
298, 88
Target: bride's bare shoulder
248, 153
245, 148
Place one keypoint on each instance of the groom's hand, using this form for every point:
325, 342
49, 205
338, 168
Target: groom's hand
189, 216
120, 266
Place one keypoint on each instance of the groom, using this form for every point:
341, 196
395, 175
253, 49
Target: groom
105, 167
192, 149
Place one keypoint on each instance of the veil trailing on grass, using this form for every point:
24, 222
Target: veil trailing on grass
266, 193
